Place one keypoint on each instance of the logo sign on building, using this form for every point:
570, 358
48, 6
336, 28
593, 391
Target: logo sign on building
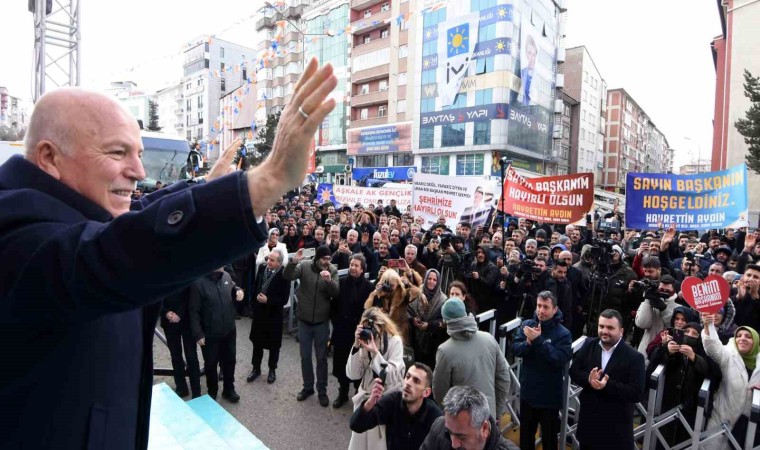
477, 82
456, 44
395, 137
708, 295
691, 202
563, 199
463, 199
483, 113
400, 173
351, 195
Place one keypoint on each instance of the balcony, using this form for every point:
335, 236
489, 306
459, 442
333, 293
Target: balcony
374, 44
265, 22
179, 126
358, 123
370, 98
373, 22
560, 81
373, 73
364, 4
179, 111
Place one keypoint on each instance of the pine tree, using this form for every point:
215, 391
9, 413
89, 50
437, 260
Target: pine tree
153, 116
749, 127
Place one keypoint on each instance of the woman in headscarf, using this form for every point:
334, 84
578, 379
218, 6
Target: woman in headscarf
426, 321
738, 361
292, 239
271, 244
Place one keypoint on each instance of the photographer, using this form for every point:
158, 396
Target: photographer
656, 309
378, 352
452, 262
393, 295
522, 287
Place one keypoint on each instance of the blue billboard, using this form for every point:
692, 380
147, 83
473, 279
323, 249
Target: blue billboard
400, 173
692, 202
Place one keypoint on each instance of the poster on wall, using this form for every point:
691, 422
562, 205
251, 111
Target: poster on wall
692, 202
351, 195
457, 199
457, 37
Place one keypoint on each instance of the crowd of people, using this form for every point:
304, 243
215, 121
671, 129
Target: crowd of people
621, 287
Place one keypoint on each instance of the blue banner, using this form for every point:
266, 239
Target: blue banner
482, 113
693, 202
499, 13
400, 173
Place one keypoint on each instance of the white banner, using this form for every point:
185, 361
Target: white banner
457, 38
351, 195
463, 199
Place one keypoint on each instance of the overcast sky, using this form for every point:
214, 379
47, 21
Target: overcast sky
658, 50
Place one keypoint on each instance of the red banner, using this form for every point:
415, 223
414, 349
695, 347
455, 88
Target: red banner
562, 199
312, 158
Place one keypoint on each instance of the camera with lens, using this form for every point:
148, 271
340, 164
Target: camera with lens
651, 290
692, 257
446, 240
366, 333
386, 287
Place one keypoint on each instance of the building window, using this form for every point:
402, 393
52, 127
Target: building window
200, 82
427, 138
200, 101
224, 85
189, 104
383, 86
438, 165
221, 52
364, 114
221, 65
402, 79
385, 7
245, 73
482, 134
366, 39
403, 159
401, 106
371, 161
453, 135
470, 164
403, 51
188, 86
384, 33
367, 13
364, 89
382, 111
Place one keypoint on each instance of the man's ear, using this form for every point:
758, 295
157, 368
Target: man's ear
47, 156
427, 392
485, 429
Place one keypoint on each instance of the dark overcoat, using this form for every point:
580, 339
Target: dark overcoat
266, 326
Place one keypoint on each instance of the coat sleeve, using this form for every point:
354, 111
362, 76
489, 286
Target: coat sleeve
502, 381
520, 345
67, 271
195, 312
578, 371
293, 270
381, 414
557, 352
333, 288
715, 350
357, 362
645, 315
394, 358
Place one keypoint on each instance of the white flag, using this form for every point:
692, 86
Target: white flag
457, 38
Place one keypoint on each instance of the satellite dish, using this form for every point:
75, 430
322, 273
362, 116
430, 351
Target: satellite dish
319, 169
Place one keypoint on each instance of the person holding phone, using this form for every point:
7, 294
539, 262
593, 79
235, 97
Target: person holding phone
378, 351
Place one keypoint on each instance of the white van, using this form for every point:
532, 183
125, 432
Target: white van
10, 148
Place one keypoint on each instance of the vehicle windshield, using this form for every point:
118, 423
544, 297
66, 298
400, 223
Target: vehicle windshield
164, 160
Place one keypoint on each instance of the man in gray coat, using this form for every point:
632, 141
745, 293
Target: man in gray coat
318, 285
470, 358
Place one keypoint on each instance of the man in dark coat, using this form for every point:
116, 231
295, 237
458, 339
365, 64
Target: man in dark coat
80, 300
175, 320
611, 374
484, 279
212, 322
346, 314
270, 293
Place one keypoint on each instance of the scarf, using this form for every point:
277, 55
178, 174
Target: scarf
751, 357
268, 277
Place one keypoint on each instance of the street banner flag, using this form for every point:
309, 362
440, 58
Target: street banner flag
703, 201
563, 199
351, 195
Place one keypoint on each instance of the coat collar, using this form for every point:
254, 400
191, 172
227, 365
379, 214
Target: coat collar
18, 173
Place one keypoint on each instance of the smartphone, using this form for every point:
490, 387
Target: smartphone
395, 263
677, 335
309, 252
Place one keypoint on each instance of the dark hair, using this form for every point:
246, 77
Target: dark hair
510, 240
560, 263
541, 258
612, 314
755, 267
359, 257
651, 262
547, 295
465, 225
667, 279
428, 372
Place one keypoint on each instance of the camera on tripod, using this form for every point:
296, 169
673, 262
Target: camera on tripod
528, 266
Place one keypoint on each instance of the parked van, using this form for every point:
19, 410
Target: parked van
164, 159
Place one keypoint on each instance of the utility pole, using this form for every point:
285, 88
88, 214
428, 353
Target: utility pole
57, 40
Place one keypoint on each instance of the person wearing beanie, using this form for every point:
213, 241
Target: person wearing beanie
318, 285
470, 357
739, 365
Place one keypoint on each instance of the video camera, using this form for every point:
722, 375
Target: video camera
528, 266
692, 257
366, 333
651, 290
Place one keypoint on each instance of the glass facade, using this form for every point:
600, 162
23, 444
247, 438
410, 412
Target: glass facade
331, 49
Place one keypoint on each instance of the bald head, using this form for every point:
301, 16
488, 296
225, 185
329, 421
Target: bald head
89, 142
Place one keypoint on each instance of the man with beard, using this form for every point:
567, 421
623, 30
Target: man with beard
579, 291
318, 284
558, 284
484, 279
611, 374
346, 314
407, 414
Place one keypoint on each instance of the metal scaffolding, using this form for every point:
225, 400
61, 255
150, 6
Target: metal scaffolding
57, 40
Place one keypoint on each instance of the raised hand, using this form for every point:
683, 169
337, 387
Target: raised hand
223, 165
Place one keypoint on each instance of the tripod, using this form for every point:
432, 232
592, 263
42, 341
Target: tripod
599, 285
